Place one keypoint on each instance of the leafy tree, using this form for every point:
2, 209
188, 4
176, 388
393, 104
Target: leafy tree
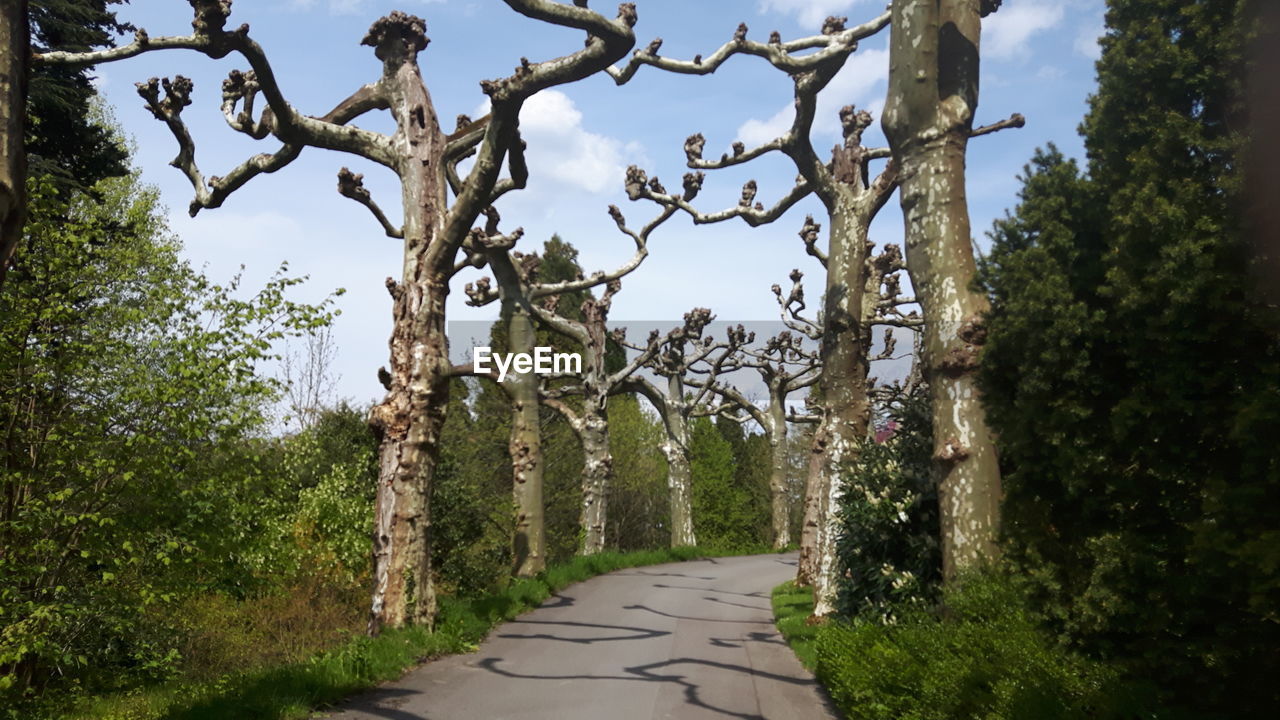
472, 501
751, 460
720, 506
316, 505
1131, 377
133, 404
638, 501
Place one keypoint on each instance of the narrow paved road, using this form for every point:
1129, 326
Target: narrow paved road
684, 641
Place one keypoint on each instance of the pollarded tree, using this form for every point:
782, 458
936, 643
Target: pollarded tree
433, 230
851, 197
928, 119
526, 301
785, 365
881, 306
671, 357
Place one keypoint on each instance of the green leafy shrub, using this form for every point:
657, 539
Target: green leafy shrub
984, 656
888, 545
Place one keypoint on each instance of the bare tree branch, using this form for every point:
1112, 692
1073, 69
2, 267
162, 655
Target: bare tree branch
837, 42
351, 185
1015, 120
210, 194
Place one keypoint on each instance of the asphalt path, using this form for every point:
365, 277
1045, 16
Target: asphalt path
683, 641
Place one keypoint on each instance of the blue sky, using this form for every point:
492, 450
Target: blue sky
1037, 59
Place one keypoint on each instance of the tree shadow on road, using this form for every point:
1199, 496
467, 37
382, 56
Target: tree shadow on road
380, 702
557, 601
638, 633
646, 608
664, 574
763, 596
651, 673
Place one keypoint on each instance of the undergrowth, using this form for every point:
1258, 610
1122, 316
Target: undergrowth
980, 655
295, 690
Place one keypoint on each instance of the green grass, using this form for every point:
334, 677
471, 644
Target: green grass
792, 607
295, 691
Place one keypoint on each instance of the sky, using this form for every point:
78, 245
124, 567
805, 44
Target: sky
1037, 59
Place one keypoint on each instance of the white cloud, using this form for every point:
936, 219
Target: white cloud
809, 13
562, 150
1007, 33
759, 132
1087, 39
857, 83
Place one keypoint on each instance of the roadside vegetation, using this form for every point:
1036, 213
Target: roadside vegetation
297, 688
1128, 373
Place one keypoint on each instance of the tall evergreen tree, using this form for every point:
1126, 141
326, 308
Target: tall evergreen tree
1130, 375
63, 140
46, 121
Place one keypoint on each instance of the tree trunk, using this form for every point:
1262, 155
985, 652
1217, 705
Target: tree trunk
409, 419
15, 55
597, 471
679, 470
845, 409
781, 507
933, 92
529, 541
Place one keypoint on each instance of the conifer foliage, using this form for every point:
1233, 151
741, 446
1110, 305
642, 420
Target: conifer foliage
1130, 375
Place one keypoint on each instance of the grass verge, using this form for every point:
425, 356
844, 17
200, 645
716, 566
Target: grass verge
295, 691
792, 607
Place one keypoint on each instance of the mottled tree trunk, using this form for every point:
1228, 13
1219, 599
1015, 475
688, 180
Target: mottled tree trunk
780, 504
529, 540
933, 92
679, 470
14, 57
597, 471
409, 419
845, 407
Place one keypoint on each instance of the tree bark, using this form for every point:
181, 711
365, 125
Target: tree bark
933, 93
15, 52
843, 390
597, 471
529, 540
409, 419
679, 469
780, 504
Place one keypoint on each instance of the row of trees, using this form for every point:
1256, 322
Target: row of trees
1112, 338
1130, 373
154, 522
928, 122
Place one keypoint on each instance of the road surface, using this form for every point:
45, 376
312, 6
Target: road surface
683, 641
